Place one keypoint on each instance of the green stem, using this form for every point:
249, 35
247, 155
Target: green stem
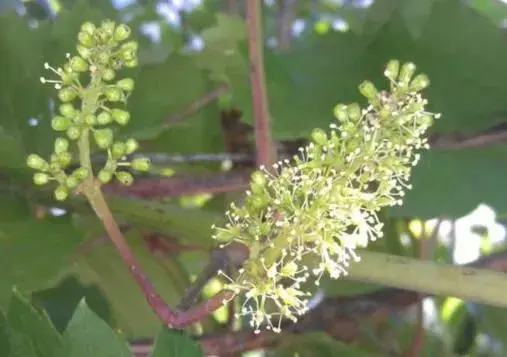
91, 189
479, 285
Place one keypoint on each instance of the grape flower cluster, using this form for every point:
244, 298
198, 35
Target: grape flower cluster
306, 217
91, 109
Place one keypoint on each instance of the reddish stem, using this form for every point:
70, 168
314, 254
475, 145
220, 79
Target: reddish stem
262, 129
197, 312
177, 185
168, 316
97, 201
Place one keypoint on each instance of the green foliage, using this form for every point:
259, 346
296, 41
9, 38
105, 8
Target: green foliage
173, 344
469, 97
317, 344
61, 301
87, 335
21, 243
34, 325
168, 218
460, 47
26, 331
103, 267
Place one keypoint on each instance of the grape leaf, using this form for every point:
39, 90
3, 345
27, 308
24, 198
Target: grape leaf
173, 343
35, 325
61, 301
5, 347
32, 251
88, 335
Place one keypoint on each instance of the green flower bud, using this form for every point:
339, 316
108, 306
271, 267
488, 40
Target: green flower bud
126, 84
108, 27
68, 78
116, 63
68, 75
61, 145
102, 36
90, 120
59, 123
103, 137
340, 112
55, 165
414, 108
392, 70
68, 111
78, 64
113, 94
103, 58
104, 118
86, 39
80, 173
256, 203
67, 94
131, 45
121, 33
385, 113
349, 129
36, 162
131, 145
64, 158
61, 193
419, 83
108, 74
122, 117
368, 90
258, 179
132, 63
319, 136
426, 120
71, 182
141, 164
125, 178
406, 73
84, 52
74, 132
128, 51
105, 176
386, 201
88, 27
354, 112
40, 178
118, 150
353, 145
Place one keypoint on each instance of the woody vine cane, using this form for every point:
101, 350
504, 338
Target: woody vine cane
302, 218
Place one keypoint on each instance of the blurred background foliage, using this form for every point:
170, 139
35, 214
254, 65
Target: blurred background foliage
317, 51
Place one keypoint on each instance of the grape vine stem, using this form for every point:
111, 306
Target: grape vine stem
262, 121
91, 189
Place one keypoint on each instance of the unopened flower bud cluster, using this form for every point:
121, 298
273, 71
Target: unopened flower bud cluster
92, 108
323, 204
